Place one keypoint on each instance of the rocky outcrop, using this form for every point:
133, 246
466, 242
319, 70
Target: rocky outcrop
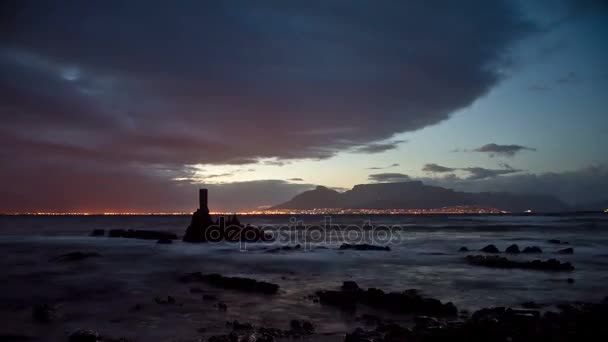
490, 249
501, 262
364, 247
578, 322
532, 250
513, 249
198, 230
232, 283
566, 251
409, 301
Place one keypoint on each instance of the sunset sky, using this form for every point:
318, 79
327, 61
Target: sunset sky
132, 105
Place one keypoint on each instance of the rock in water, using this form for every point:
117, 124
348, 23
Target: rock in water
197, 231
566, 251
233, 283
513, 249
408, 301
364, 247
75, 256
490, 249
532, 250
463, 249
98, 232
500, 262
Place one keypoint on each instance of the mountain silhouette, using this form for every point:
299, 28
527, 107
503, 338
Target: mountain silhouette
417, 195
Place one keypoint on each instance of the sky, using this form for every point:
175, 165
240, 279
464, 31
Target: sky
130, 106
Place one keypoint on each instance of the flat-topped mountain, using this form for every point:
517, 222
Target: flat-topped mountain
417, 195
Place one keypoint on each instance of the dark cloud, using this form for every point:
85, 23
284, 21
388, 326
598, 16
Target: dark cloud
378, 147
137, 84
388, 177
474, 172
483, 173
503, 150
437, 168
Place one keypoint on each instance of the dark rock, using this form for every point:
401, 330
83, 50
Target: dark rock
222, 306
577, 322
164, 241
501, 262
513, 249
530, 305
169, 300
425, 322
532, 250
408, 301
558, 242
236, 325
75, 256
98, 232
84, 336
301, 327
233, 283
199, 228
350, 285
14, 337
490, 249
570, 281
209, 297
364, 247
463, 249
566, 251
44, 313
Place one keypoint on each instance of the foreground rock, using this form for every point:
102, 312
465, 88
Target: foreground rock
232, 283
142, 234
501, 262
364, 247
247, 332
580, 322
409, 301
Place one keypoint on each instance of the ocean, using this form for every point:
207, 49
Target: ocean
114, 292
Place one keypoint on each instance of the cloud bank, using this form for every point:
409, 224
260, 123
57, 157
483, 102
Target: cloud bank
125, 95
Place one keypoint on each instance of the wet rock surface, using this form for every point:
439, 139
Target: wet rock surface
363, 247
576, 322
408, 301
232, 283
501, 262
